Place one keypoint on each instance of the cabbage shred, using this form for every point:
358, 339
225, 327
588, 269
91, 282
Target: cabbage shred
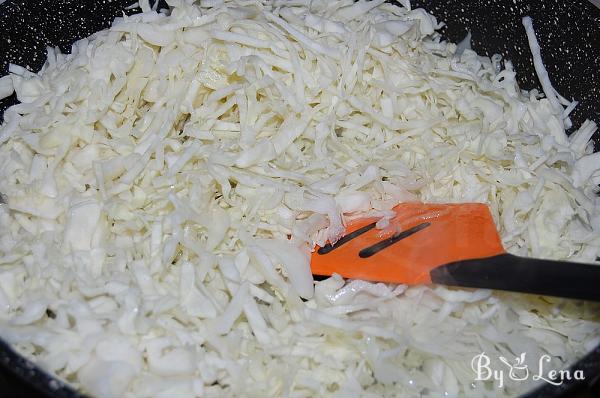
166, 182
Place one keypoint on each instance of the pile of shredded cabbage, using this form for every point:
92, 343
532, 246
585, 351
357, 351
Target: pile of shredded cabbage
165, 183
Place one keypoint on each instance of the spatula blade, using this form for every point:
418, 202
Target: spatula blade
421, 237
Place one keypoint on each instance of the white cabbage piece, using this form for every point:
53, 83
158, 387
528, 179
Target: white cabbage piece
6, 86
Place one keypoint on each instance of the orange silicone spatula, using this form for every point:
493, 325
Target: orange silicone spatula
451, 244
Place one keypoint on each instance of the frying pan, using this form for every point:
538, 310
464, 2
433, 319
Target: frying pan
568, 32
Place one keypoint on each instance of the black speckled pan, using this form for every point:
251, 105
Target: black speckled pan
568, 32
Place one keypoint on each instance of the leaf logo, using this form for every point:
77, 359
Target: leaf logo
518, 371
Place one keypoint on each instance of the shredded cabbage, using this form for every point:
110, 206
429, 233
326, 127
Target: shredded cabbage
165, 183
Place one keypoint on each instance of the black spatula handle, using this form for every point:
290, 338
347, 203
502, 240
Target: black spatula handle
525, 275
